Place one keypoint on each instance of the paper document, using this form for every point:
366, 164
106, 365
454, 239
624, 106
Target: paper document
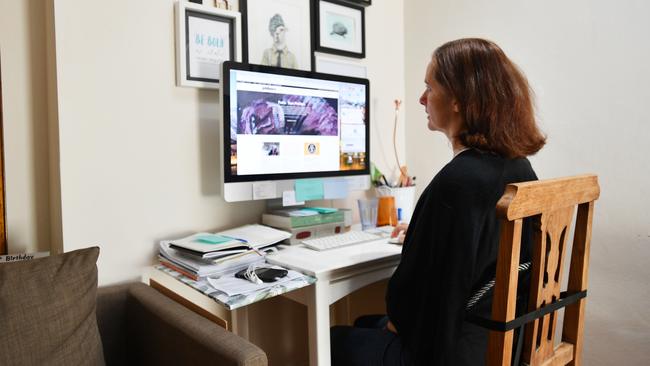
208, 267
232, 241
207, 242
300, 213
257, 235
335, 189
264, 190
289, 199
231, 285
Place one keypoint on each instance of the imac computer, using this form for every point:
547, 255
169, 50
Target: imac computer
282, 125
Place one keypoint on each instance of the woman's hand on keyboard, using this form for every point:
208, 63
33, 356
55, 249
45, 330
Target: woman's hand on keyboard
399, 233
402, 226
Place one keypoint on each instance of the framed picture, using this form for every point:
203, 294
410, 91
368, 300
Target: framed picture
277, 33
338, 66
3, 231
205, 37
359, 2
340, 29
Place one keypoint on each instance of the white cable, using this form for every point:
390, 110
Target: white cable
479, 294
251, 275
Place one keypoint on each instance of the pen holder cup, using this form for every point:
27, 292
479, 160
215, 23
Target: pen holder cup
386, 211
404, 200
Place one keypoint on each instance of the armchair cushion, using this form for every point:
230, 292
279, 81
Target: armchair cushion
47, 311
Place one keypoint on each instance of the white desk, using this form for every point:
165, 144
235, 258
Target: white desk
339, 272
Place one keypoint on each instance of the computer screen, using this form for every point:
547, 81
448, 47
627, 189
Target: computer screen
282, 125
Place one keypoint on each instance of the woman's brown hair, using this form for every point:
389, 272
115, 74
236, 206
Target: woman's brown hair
494, 97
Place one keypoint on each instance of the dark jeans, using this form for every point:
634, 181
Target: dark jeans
366, 343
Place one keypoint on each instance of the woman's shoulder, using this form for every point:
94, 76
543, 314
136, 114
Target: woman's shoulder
472, 167
477, 164
481, 172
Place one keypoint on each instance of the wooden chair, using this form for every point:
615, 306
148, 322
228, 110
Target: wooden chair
551, 204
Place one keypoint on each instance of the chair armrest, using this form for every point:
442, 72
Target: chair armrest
161, 331
111, 321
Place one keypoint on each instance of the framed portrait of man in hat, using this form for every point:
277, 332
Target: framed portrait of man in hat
277, 33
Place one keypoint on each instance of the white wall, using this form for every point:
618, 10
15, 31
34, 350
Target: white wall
588, 64
139, 157
22, 52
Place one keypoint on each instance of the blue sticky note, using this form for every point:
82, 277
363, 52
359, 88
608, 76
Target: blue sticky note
309, 189
212, 239
335, 189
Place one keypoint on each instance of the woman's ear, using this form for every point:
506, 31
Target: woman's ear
455, 106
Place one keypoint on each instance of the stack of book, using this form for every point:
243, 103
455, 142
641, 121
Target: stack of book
203, 255
306, 222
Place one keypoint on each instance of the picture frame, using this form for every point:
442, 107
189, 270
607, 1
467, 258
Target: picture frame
205, 37
3, 212
334, 65
340, 28
358, 2
283, 26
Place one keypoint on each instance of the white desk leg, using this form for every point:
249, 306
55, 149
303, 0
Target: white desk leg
239, 320
318, 314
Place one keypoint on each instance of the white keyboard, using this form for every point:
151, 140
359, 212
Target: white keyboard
340, 240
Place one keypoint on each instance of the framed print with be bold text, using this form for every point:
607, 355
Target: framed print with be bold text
205, 37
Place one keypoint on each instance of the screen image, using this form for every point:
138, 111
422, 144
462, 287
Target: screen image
285, 114
291, 126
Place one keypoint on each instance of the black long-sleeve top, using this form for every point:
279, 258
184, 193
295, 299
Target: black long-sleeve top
450, 252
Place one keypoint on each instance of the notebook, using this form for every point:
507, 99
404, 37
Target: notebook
237, 240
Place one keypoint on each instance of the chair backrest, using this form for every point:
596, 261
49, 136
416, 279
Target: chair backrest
551, 204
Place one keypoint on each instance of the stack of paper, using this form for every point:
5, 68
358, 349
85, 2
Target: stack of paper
206, 254
257, 236
237, 240
197, 268
206, 245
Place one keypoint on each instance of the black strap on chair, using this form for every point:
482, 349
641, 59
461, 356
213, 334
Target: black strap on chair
564, 300
521, 321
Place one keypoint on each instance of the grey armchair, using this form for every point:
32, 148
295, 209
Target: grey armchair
139, 325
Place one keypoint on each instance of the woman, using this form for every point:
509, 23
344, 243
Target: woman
479, 99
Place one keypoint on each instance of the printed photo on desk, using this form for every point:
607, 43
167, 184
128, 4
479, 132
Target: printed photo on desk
205, 37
